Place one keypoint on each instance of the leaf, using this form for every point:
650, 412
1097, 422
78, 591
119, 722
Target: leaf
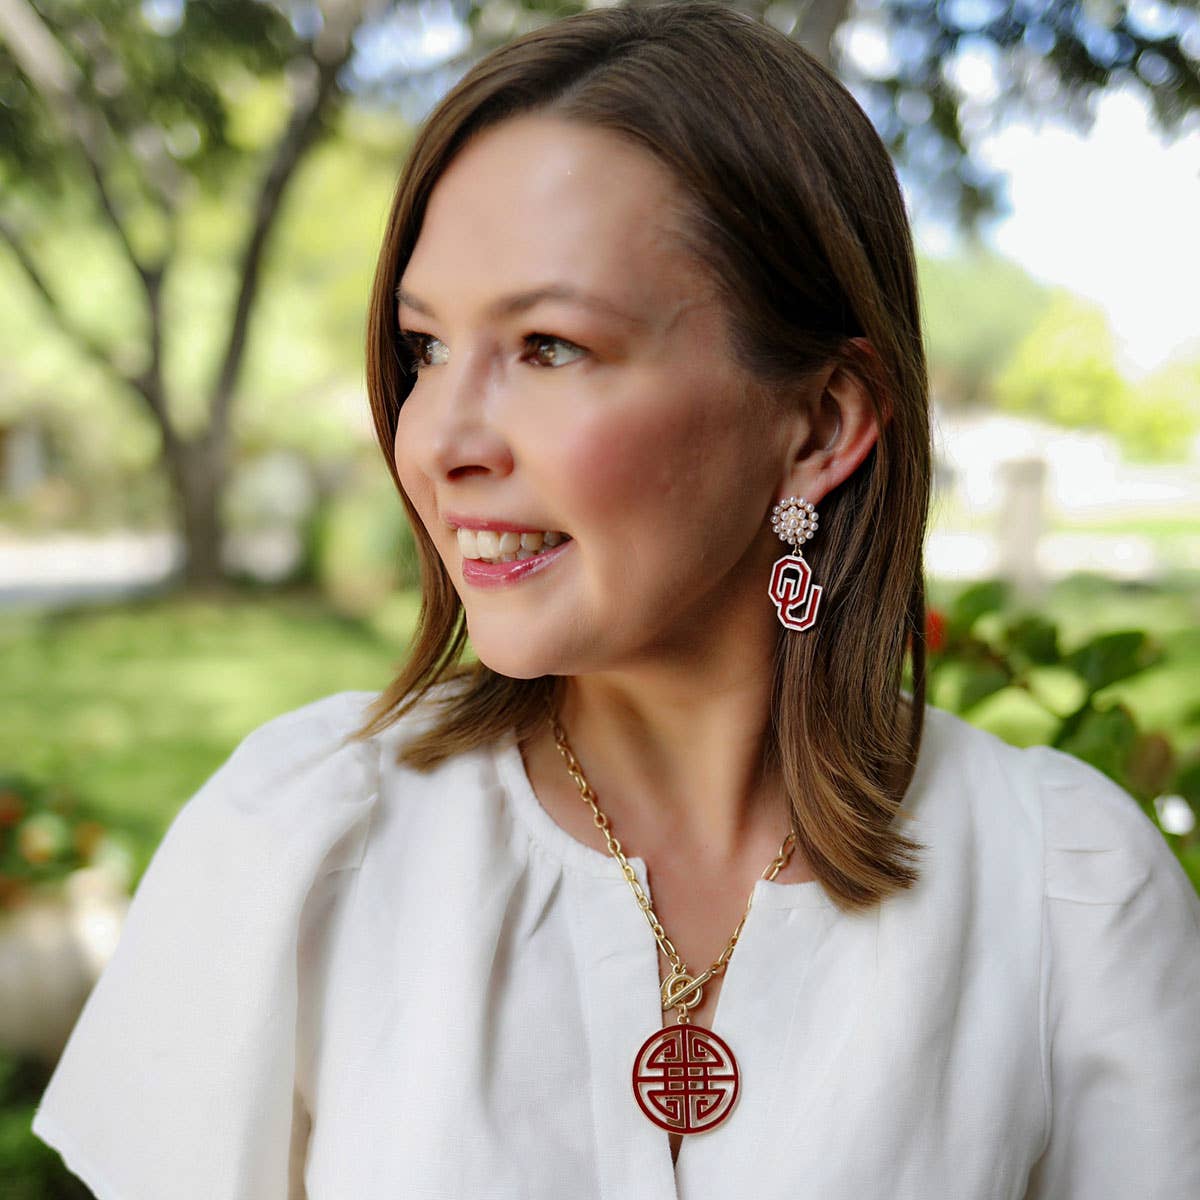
1187, 783
1111, 657
980, 681
1034, 639
1056, 689
973, 602
1105, 738
1190, 860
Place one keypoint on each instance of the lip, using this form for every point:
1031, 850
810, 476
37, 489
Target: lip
503, 574
494, 526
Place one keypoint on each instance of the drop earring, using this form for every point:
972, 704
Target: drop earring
792, 590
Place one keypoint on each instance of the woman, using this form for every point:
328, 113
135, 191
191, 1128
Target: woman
646, 306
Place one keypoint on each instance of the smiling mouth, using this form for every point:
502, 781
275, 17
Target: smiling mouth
492, 546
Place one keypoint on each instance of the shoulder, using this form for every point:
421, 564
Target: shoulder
968, 779
300, 775
1100, 846
296, 739
1087, 837
310, 758
189, 1035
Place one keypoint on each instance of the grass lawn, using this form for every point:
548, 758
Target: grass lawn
131, 708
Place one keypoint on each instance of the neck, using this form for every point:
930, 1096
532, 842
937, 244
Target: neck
676, 757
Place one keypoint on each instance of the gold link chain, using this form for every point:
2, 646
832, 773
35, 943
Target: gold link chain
681, 990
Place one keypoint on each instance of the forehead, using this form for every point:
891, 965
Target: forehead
539, 198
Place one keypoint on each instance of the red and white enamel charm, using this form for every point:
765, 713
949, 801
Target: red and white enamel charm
685, 1079
795, 595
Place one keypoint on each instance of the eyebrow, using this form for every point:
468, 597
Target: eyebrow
518, 302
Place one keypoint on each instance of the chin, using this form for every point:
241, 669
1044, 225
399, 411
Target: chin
512, 661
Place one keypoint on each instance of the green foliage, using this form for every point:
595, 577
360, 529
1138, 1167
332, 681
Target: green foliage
1041, 55
45, 833
147, 71
29, 1169
1065, 370
303, 379
131, 708
188, 108
301, 386
363, 545
976, 309
1006, 670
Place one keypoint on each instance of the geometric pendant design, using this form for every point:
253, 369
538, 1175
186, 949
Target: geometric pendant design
685, 1079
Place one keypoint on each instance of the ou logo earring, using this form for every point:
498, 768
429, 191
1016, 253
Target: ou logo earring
792, 589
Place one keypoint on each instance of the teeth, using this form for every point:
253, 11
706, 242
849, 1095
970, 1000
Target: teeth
491, 546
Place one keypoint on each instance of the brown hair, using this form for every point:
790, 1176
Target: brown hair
798, 214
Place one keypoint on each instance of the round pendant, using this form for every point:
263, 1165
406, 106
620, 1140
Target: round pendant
685, 1079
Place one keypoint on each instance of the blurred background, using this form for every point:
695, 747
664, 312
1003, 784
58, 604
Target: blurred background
197, 531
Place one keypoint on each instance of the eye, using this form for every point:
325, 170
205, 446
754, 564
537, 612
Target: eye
418, 349
537, 342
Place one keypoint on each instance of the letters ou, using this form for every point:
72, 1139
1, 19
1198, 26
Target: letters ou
795, 596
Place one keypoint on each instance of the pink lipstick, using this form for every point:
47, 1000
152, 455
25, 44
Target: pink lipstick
499, 574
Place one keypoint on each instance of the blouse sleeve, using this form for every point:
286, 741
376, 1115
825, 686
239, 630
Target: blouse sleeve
1121, 997
177, 1082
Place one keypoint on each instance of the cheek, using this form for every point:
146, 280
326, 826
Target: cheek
403, 438
413, 480
659, 462
613, 469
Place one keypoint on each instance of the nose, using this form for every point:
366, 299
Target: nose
471, 448
460, 432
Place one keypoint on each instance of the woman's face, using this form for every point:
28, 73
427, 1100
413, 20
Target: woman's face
575, 378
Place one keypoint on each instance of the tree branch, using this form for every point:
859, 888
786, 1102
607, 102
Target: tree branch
75, 332
317, 88
56, 77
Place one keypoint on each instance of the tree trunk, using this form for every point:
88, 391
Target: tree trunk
198, 470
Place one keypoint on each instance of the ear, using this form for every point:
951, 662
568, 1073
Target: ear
836, 430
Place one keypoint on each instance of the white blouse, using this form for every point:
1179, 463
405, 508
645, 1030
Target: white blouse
345, 980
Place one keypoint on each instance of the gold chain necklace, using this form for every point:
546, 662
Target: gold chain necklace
685, 1078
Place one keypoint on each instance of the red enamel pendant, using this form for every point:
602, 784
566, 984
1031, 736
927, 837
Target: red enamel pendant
795, 595
685, 1079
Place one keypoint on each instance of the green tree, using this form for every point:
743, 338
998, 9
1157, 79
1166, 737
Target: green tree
137, 103
1066, 371
977, 308
1164, 420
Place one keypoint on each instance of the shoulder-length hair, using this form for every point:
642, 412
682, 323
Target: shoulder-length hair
796, 209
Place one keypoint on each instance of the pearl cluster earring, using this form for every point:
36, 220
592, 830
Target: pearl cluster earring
794, 520
792, 590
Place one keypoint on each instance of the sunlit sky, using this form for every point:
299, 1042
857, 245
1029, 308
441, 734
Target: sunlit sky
1113, 215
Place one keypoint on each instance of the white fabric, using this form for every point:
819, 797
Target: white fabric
422, 988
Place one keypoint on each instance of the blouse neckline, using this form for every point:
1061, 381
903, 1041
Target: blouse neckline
559, 844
